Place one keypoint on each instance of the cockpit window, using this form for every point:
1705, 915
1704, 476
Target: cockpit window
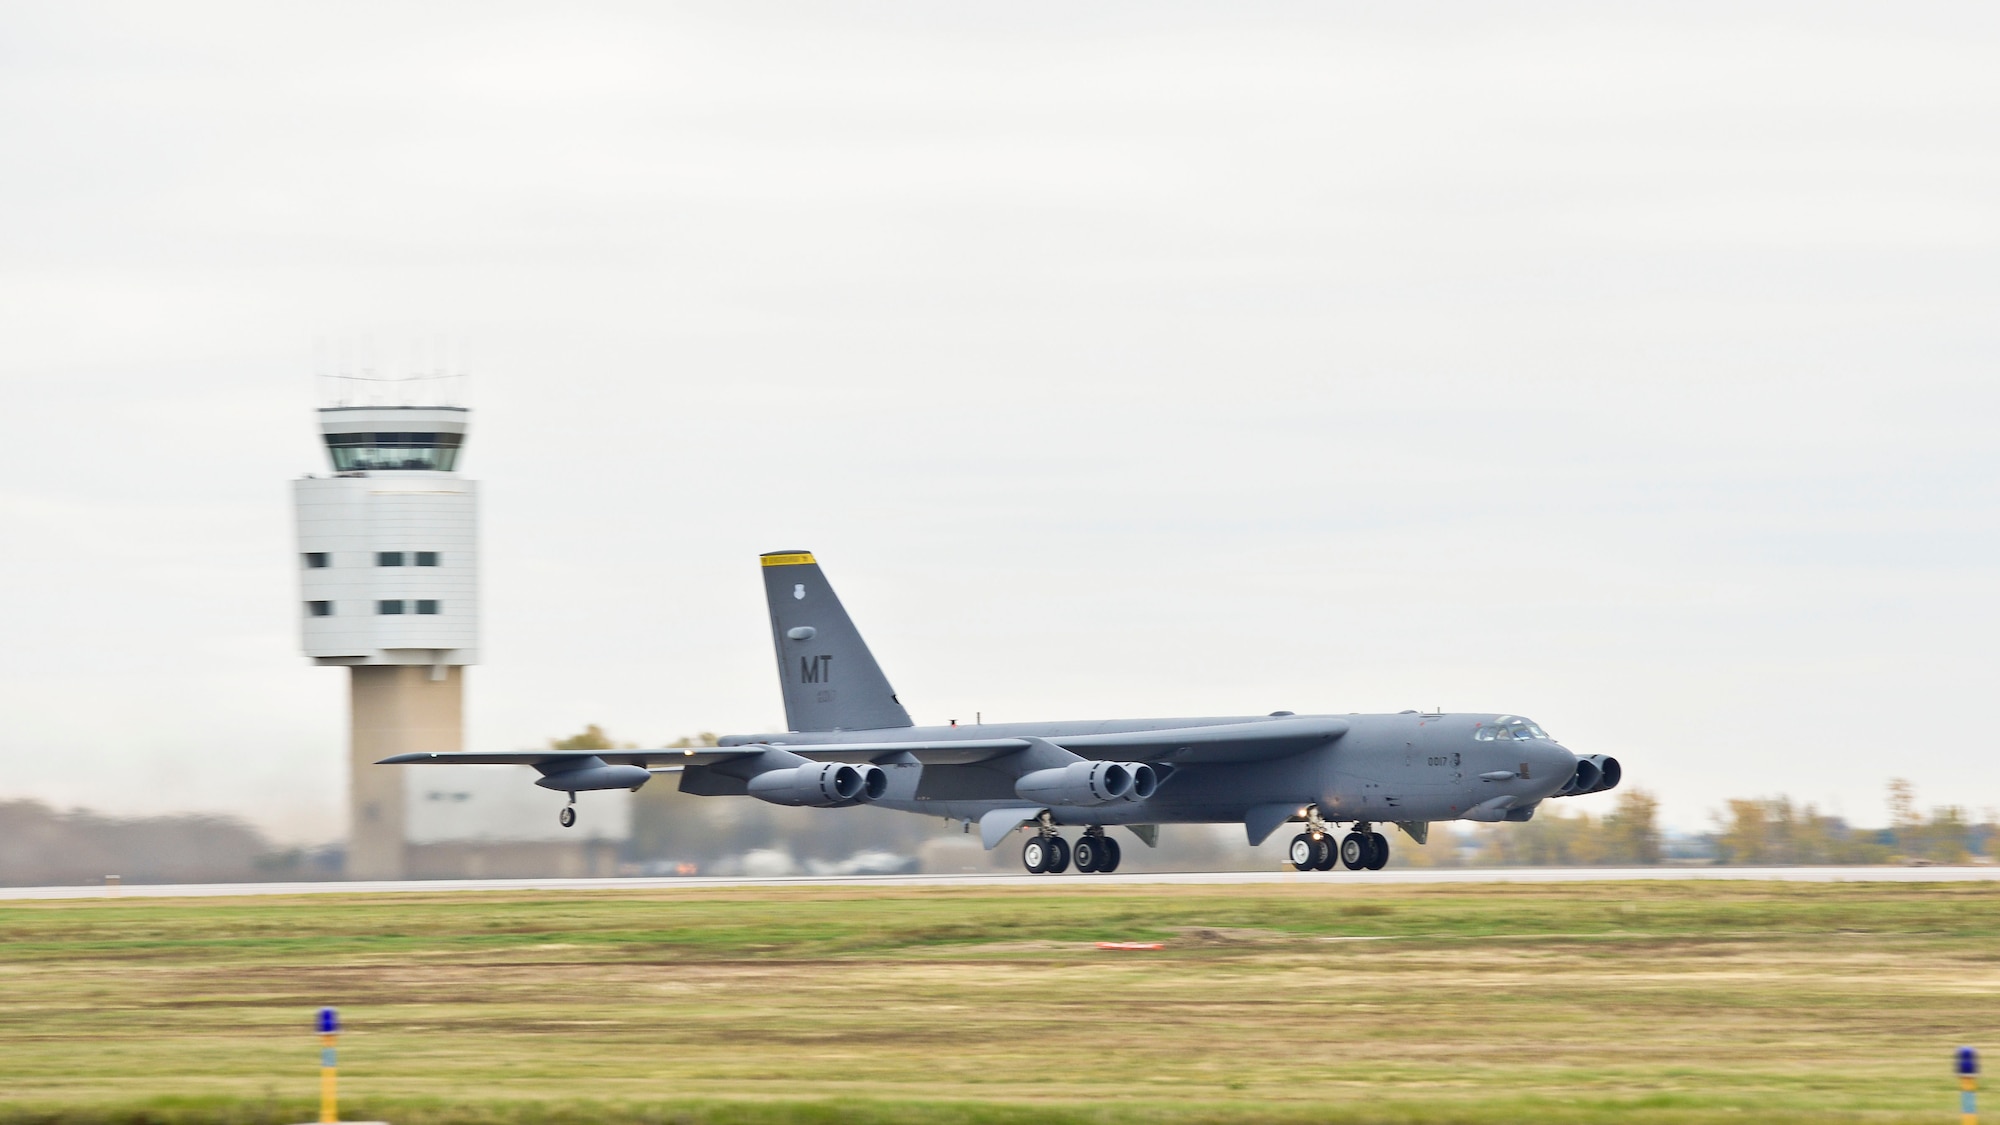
1508, 728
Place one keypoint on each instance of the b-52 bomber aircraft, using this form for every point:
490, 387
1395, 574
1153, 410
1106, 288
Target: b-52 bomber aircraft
852, 743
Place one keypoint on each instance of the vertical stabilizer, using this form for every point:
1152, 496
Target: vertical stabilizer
830, 678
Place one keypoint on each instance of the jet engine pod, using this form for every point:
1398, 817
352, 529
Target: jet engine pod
1583, 780
1144, 781
1088, 783
819, 785
1609, 773
874, 782
587, 777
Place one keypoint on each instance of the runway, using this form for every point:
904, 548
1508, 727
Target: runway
1408, 875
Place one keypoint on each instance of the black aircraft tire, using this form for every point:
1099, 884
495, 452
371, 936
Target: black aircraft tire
1108, 861
1378, 851
1354, 851
1303, 852
1086, 854
1327, 857
568, 816
1058, 856
1035, 856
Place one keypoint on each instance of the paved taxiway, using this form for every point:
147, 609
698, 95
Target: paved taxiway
1140, 879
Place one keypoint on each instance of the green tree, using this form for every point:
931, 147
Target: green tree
1632, 831
591, 737
1944, 836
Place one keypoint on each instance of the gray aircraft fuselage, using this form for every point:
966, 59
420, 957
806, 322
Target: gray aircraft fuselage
1388, 768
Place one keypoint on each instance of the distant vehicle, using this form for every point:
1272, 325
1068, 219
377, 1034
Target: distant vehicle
852, 743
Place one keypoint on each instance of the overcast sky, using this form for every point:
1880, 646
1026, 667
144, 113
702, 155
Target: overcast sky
1630, 367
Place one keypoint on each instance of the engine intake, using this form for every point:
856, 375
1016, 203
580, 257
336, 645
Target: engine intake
820, 785
1089, 783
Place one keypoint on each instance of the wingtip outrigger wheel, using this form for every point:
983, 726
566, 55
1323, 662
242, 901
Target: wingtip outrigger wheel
568, 815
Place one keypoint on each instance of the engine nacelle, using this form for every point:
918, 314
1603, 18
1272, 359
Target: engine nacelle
820, 785
1088, 783
1594, 774
1609, 773
600, 776
1582, 780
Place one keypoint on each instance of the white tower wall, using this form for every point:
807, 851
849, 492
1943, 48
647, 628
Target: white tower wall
347, 525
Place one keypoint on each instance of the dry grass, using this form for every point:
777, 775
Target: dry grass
1635, 1002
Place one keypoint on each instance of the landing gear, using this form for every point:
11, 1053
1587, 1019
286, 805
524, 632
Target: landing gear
1311, 851
1045, 855
1035, 855
568, 815
1364, 848
1058, 856
1096, 853
1355, 851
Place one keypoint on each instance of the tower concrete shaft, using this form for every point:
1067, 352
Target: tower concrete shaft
394, 709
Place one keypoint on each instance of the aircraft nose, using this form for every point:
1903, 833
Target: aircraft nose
1554, 763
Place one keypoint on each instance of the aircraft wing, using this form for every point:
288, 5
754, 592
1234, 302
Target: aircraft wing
1233, 742
954, 752
698, 756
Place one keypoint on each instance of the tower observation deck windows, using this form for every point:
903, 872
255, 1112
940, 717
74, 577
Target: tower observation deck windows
389, 607
426, 605
354, 453
427, 558
388, 558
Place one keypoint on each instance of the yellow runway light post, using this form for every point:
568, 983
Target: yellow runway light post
329, 1097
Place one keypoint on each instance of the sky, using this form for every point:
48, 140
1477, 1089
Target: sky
1630, 367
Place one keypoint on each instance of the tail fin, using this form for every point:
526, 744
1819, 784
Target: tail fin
830, 678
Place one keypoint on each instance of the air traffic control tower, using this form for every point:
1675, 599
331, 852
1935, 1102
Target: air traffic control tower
389, 569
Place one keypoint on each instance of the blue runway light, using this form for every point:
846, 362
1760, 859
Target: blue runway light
1968, 1060
329, 1021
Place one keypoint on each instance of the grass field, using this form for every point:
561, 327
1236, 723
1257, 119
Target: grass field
1321, 1002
